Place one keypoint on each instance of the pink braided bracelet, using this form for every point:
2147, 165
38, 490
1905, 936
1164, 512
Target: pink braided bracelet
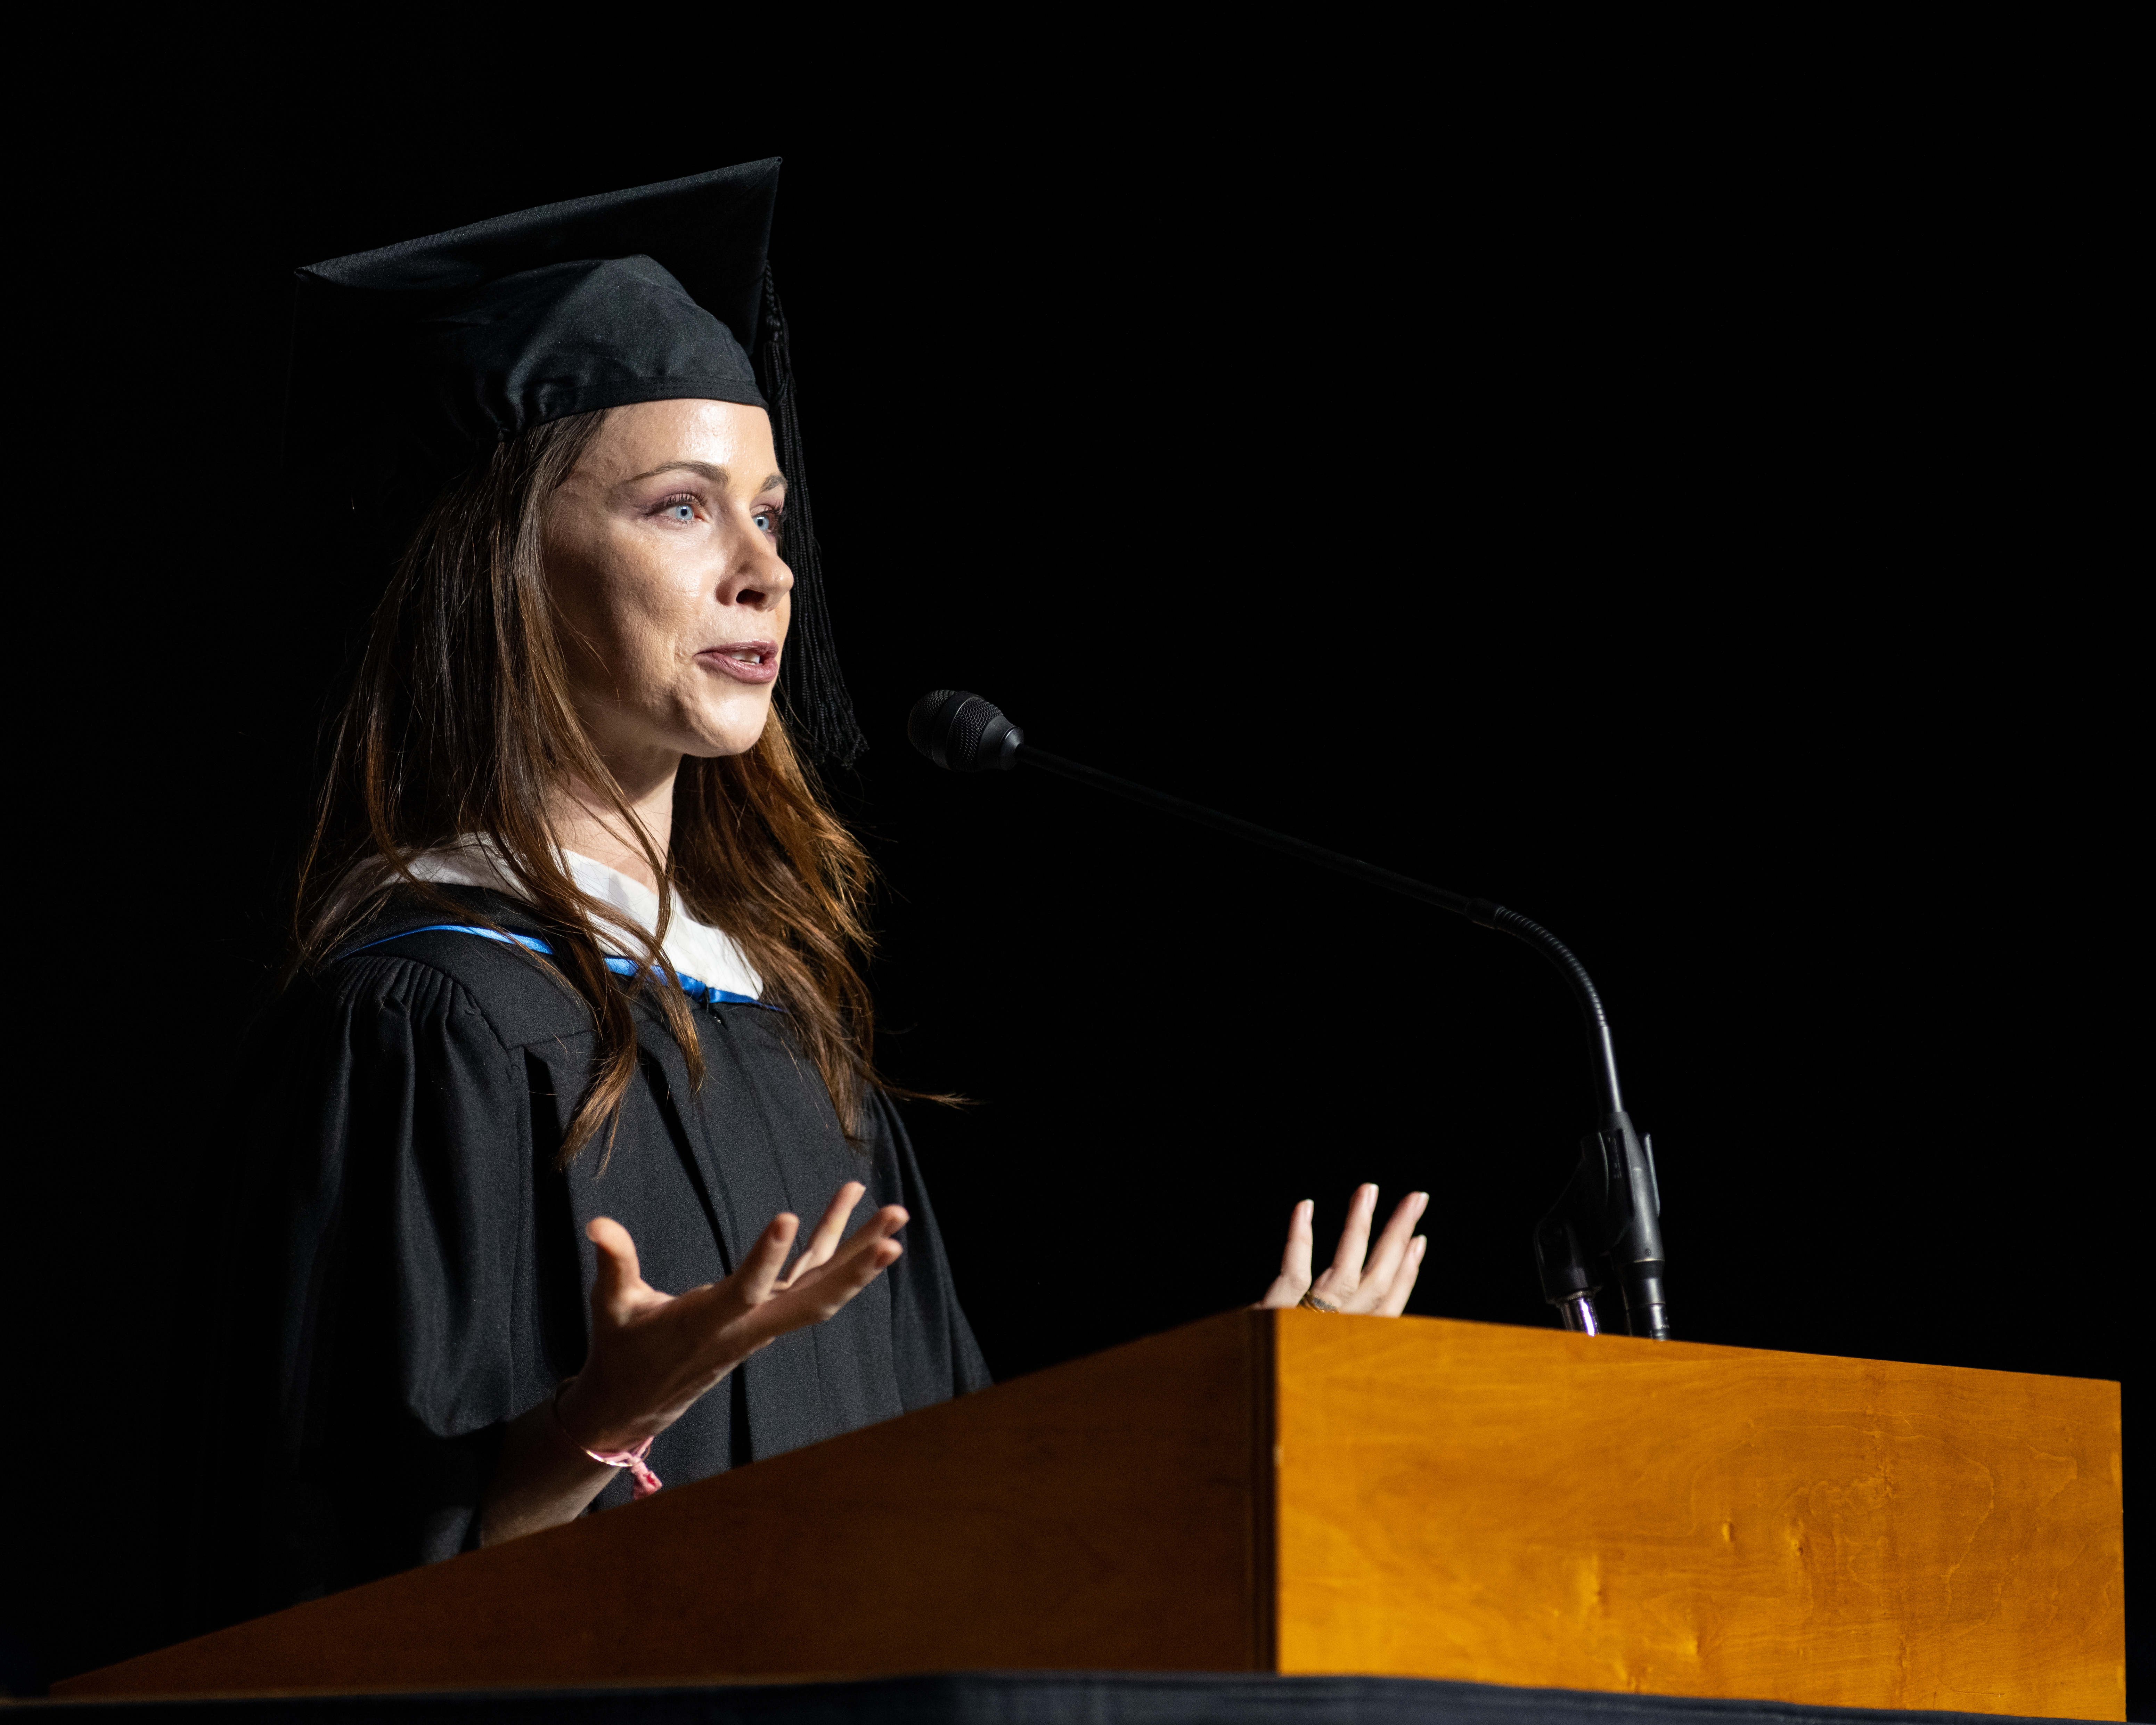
643, 1482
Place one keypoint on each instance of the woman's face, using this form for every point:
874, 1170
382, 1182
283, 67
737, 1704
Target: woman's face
662, 559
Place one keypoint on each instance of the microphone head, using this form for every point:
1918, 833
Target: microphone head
964, 732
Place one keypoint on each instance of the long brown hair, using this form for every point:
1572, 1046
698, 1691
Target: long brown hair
460, 725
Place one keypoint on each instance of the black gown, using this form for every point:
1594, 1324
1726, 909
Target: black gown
410, 1272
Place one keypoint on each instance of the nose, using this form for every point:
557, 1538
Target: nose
755, 577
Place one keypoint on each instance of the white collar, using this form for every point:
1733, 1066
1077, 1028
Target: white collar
694, 948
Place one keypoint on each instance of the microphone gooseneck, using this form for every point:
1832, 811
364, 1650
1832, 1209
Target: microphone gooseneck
1610, 1208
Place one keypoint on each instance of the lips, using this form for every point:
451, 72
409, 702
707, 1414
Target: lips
745, 661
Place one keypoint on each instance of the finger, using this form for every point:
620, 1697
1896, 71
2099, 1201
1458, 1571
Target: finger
1293, 1282
1392, 1246
1396, 1296
830, 1231
1346, 1273
835, 1283
885, 1223
751, 1284
620, 1279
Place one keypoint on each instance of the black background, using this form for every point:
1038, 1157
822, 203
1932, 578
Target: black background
1670, 487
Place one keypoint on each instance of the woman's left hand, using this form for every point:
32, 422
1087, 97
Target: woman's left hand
1377, 1287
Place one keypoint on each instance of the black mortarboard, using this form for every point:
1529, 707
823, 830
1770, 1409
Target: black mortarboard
410, 363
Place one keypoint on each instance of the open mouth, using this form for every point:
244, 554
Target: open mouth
746, 661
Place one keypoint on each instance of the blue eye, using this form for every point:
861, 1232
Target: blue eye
682, 511
766, 521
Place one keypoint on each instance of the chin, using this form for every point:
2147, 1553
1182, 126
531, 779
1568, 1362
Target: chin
732, 731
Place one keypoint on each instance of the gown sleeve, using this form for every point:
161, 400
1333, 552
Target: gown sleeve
383, 1267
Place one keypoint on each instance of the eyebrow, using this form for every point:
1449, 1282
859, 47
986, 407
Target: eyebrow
717, 475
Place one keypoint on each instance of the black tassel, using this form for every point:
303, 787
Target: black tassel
819, 713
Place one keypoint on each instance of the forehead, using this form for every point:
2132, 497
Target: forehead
714, 434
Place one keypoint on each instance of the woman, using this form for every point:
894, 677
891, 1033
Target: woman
576, 1019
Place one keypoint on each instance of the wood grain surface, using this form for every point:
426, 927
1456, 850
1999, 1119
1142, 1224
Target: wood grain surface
1305, 1492
1520, 1506
1101, 1515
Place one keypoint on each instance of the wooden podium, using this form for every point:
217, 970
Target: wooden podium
1298, 1492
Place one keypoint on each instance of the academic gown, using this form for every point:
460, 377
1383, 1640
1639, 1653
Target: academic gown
411, 1270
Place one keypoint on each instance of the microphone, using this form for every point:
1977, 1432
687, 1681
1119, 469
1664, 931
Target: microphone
964, 732
1610, 1208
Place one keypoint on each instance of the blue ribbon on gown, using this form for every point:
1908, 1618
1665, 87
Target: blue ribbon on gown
694, 987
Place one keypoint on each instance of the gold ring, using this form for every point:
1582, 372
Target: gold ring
1311, 1302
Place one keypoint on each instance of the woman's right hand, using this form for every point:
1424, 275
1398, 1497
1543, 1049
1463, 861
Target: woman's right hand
653, 1354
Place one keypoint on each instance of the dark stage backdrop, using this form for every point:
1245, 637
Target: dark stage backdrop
1680, 517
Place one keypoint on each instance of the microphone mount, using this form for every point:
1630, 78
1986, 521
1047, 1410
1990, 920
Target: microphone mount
1610, 1208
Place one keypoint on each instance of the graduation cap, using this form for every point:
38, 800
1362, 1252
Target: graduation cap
412, 363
